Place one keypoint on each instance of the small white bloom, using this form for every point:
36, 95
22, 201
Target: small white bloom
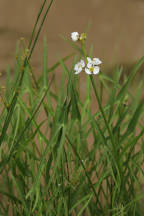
92, 65
94, 61
79, 66
97, 61
75, 36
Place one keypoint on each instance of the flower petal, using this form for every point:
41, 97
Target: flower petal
87, 71
89, 65
75, 36
96, 70
97, 61
76, 67
89, 59
77, 72
82, 63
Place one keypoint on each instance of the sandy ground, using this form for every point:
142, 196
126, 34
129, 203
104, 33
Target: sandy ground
117, 29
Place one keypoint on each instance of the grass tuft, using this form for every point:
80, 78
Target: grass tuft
70, 151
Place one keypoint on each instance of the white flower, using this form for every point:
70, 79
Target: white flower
75, 36
92, 65
95, 61
79, 66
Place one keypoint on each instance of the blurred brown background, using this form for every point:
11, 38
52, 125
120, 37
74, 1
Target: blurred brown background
117, 29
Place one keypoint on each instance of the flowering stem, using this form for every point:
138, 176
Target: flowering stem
116, 168
88, 79
101, 90
102, 111
84, 50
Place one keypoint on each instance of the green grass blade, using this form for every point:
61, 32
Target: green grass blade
39, 30
130, 78
35, 25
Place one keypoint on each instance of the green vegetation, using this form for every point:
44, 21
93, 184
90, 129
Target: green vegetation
65, 151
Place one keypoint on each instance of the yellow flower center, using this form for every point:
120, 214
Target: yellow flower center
91, 69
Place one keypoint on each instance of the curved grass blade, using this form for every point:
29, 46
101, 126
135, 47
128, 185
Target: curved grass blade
35, 25
14, 99
89, 180
58, 63
124, 89
39, 30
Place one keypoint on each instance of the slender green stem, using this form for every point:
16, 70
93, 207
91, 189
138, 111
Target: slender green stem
102, 111
35, 25
89, 180
26, 60
39, 30
12, 105
84, 50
